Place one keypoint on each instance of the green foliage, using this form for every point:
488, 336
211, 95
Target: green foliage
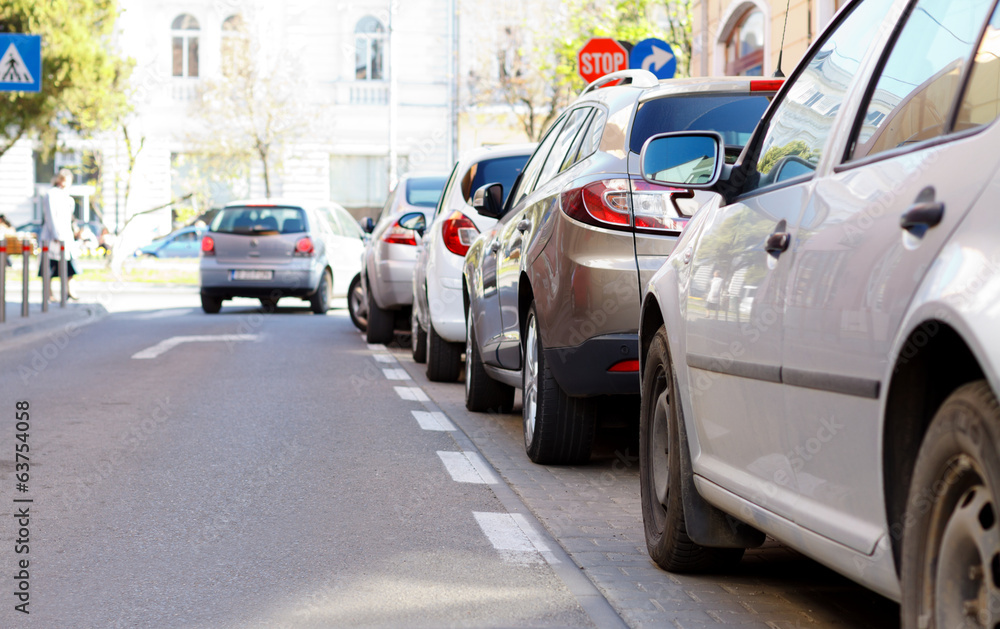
774, 154
82, 77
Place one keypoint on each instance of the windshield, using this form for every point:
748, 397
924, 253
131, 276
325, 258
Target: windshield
424, 191
259, 220
732, 115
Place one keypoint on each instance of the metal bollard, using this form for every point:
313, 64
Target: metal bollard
63, 280
3, 280
25, 254
46, 278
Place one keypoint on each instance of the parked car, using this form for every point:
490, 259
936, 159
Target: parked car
438, 319
851, 410
387, 265
270, 249
553, 288
182, 243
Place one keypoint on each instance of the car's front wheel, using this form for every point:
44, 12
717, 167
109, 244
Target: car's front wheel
660, 472
320, 300
381, 323
418, 338
356, 305
951, 530
210, 304
558, 429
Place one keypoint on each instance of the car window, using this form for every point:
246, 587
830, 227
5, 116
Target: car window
981, 101
734, 116
502, 170
595, 132
796, 132
331, 221
424, 191
573, 155
448, 187
258, 219
186, 237
563, 143
534, 165
387, 208
919, 82
348, 224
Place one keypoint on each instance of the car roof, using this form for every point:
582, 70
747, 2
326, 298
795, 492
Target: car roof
273, 201
701, 85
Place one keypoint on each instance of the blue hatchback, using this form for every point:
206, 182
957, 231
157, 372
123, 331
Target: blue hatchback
183, 243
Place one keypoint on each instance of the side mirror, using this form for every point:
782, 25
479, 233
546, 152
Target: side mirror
414, 221
367, 224
488, 200
684, 160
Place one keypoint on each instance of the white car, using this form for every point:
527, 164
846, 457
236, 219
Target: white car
849, 408
438, 322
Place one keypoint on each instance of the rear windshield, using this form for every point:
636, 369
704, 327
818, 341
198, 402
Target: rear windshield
259, 220
732, 115
498, 170
424, 191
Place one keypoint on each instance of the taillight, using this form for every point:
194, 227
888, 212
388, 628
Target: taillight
601, 203
458, 232
766, 85
208, 246
398, 235
625, 366
304, 246
654, 210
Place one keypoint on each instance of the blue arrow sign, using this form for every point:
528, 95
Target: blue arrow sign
20, 63
654, 55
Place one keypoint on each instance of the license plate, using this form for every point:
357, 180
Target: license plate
251, 275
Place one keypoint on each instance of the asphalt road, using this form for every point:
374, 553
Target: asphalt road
272, 470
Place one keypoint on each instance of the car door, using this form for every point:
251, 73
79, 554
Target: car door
518, 230
488, 321
733, 335
858, 264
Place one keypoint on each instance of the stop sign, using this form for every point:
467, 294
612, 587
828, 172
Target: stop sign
600, 56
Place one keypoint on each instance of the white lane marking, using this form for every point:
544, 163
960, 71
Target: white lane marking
384, 358
376, 348
514, 538
433, 421
467, 467
415, 394
396, 374
157, 314
172, 342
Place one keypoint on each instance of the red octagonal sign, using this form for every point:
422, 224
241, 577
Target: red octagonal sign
600, 56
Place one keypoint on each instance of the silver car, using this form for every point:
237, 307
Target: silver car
270, 249
820, 352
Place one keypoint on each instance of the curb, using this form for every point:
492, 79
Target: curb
74, 316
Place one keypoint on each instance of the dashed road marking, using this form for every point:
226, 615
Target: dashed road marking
384, 358
468, 467
433, 420
376, 348
396, 374
514, 538
415, 394
174, 341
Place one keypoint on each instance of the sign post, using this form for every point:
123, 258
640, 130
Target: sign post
20, 63
600, 56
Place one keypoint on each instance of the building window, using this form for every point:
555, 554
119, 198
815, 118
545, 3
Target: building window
235, 43
370, 42
185, 45
745, 46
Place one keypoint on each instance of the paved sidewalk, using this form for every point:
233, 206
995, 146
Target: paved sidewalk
37, 322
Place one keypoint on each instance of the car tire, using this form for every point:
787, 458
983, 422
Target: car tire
269, 304
558, 429
444, 359
381, 323
951, 530
482, 393
210, 304
356, 305
418, 339
320, 300
660, 472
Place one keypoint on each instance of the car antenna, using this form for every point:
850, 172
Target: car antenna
778, 74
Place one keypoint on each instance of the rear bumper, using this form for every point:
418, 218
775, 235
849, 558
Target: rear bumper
285, 283
582, 371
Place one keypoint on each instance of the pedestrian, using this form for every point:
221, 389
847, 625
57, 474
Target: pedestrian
57, 228
714, 294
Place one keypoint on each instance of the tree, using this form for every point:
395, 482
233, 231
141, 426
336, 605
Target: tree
81, 75
253, 111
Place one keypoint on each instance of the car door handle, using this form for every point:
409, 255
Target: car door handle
524, 225
778, 241
922, 214
495, 246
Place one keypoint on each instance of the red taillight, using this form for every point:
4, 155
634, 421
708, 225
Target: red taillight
304, 247
766, 85
601, 203
654, 209
399, 235
208, 246
458, 232
625, 366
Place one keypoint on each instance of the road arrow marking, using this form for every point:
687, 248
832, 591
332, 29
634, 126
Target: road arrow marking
433, 421
12, 68
657, 59
168, 344
467, 467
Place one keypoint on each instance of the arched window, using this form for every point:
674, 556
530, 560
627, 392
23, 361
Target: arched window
369, 37
745, 46
185, 45
235, 43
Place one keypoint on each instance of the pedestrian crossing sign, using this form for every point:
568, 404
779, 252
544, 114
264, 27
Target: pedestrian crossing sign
20, 63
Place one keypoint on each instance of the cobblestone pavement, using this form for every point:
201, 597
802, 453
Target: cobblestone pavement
593, 511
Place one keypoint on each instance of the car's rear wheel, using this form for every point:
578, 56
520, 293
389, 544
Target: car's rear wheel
381, 323
482, 393
951, 530
660, 472
210, 304
558, 429
356, 305
418, 338
320, 300
444, 359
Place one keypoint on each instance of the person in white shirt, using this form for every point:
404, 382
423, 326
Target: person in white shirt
57, 227
714, 294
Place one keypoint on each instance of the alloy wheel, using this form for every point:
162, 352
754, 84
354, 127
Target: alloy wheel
530, 393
